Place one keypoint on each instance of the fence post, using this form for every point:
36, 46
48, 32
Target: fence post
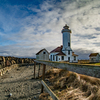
43, 76
34, 68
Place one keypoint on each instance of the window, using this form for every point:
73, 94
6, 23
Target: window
69, 59
51, 57
92, 59
44, 52
74, 58
56, 58
62, 57
68, 52
69, 44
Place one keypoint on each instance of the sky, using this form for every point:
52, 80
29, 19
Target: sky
27, 26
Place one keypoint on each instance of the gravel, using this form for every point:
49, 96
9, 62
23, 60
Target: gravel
19, 84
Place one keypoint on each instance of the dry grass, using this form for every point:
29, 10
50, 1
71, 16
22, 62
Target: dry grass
83, 61
72, 86
97, 63
45, 96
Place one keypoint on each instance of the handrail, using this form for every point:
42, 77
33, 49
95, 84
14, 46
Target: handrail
49, 91
85, 69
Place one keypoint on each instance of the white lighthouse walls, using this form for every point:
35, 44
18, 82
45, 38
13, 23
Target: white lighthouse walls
66, 40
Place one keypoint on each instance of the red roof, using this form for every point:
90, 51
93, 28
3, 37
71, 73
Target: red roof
93, 54
41, 51
58, 49
61, 53
74, 54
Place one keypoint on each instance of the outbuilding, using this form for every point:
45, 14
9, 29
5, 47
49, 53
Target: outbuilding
42, 55
94, 57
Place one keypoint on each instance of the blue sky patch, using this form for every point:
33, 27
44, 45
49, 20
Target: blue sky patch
38, 24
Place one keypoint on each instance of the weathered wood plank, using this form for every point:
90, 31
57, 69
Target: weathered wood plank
49, 91
34, 68
90, 70
39, 70
43, 76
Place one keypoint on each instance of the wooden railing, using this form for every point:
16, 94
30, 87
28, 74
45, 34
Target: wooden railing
86, 69
49, 91
90, 70
43, 84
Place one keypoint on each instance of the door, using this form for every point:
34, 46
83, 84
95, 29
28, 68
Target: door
69, 59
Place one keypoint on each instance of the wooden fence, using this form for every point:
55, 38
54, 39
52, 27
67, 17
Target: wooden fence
86, 69
49, 91
43, 84
90, 70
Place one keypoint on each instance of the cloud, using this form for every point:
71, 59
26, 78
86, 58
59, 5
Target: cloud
31, 28
82, 53
97, 28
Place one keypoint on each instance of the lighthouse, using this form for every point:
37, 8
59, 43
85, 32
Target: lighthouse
64, 52
66, 35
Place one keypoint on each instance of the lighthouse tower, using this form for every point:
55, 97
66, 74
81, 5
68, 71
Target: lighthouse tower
66, 32
66, 39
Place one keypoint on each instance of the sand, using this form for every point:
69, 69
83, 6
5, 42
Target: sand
19, 84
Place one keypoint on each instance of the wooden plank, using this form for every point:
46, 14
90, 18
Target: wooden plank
49, 91
54, 64
39, 70
43, 76
86, 69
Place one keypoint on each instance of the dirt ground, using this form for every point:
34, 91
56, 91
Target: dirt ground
19, 84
